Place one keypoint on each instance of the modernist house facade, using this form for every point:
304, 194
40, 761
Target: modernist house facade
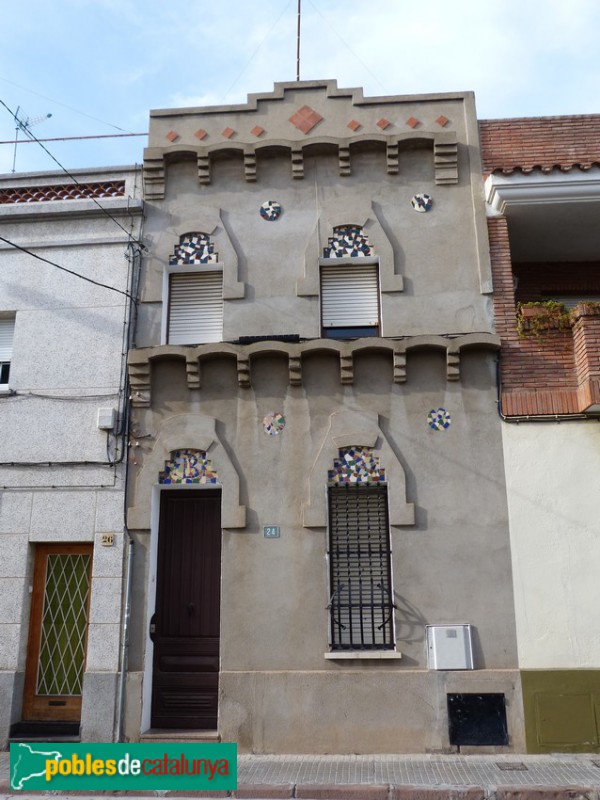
543, 201
316, 494
358, 458
63, 341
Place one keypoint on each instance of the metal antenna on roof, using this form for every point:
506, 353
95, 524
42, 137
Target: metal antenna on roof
298, 42
24, 123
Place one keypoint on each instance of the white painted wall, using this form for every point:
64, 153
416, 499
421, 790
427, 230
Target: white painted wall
553, 484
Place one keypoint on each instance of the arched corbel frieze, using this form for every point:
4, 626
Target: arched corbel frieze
187, 432
355, 429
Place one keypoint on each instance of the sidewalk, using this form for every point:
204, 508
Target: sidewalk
396, 777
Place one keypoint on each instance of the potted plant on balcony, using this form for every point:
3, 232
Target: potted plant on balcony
537, 316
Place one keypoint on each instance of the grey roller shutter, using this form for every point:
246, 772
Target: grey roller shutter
350, 295
7, 328
195, 307
361, 605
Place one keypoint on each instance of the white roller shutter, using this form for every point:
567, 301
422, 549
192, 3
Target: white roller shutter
349, 295
7, 329
195, 307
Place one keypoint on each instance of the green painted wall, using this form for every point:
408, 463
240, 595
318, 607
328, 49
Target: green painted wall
562, 710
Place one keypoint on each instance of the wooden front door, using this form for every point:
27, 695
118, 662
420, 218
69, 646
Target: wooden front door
57, 632
185, 627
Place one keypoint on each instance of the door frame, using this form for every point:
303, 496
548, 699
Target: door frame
157, 490
69, 707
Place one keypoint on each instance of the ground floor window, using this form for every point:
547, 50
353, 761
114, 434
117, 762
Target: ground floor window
360, 571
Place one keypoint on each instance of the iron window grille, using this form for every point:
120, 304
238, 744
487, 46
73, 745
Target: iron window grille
361, 606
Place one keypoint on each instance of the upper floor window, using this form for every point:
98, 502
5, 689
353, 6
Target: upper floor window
349, 285
7, 328
195, 291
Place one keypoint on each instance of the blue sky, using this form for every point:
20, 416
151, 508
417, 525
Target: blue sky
99, 66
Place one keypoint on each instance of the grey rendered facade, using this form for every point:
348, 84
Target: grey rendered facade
337, 164
63, 478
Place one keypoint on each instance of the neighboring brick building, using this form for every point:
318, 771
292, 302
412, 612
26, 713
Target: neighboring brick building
543, 195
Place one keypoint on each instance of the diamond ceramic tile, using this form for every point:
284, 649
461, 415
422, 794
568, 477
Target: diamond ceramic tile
188, 466
305, 119
172, 136
348, 241
200, 134
356, 465
412, 122
383, 123
354, 125
194, 248
228, 133
257, 131
442, 121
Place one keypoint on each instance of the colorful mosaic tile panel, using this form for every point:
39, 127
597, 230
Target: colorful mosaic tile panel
356, 465
189, 466
195, 248
439, 420
348, 241
421, 203
273, 424
271, 210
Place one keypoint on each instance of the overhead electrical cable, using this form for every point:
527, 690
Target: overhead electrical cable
64, 105
65, 269
66, 171
261, 43
345, 43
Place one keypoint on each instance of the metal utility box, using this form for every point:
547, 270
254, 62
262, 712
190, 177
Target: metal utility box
449, 646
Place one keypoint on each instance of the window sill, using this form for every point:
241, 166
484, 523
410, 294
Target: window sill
5, 388
372, 655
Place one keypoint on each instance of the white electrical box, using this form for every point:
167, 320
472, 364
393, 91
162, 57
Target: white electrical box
449, 646
107, 418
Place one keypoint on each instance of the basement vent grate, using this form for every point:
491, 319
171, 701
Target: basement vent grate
515, 766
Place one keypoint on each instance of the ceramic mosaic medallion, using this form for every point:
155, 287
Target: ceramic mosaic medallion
188, 466
348, 241
439, 420
195, 248
422, 203
356, 465
271, 210
273, 424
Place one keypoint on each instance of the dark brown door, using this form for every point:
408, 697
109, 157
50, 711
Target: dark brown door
186, 624
57, 632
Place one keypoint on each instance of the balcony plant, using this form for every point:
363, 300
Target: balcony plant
538, 316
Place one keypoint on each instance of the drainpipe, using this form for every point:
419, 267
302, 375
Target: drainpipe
125, 638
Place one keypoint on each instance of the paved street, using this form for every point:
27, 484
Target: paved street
397, 777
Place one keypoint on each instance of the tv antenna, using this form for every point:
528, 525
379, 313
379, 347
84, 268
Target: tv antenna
24, 123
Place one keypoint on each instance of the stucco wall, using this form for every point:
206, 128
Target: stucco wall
57, 483
554, 512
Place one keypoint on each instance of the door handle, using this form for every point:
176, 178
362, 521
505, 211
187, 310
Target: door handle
152, 628
191, 608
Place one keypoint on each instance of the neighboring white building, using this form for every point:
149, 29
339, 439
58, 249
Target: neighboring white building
63, 345
543, 197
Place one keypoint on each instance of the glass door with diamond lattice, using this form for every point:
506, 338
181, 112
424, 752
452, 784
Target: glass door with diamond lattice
57, 632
